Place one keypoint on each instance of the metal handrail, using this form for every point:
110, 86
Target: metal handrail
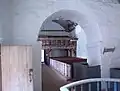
73, 84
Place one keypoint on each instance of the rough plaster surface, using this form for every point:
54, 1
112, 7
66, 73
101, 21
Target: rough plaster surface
107, 18
22, 19
6, 19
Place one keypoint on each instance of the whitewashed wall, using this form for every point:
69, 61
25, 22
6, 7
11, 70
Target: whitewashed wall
29, 15
81, 43
108, 22
108, 19
22, 19
6, 21
0, 21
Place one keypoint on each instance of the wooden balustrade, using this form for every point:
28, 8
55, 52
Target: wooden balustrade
58, 44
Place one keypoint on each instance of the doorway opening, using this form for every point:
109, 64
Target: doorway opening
77, 39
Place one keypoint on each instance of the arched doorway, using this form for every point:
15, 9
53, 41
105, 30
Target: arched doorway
86, 26
90, 27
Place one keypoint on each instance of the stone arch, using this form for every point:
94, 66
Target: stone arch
91, 29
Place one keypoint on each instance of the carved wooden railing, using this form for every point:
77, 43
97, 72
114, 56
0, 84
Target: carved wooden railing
58, 43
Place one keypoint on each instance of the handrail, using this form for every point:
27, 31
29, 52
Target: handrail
65, 88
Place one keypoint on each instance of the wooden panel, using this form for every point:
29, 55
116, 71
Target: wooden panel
16, 62
29, 61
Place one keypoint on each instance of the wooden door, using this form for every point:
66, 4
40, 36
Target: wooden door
16, 64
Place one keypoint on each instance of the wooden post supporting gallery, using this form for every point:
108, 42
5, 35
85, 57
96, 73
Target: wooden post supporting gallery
16, 68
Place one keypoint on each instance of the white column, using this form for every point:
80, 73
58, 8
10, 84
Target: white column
37, 79
105, 65
94, 53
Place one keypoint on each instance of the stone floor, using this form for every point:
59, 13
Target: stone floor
51, 80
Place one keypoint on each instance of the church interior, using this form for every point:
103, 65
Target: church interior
59, 45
